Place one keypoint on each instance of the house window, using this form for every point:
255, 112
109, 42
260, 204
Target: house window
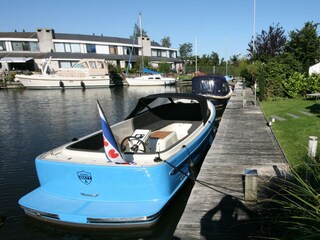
59, 47
17, 46
2, 46
75, 47
172, 54
102, 49
91, 48
126, 50
113, 49
25, 46
34, 46
67, 47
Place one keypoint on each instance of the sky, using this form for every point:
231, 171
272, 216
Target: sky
222, 26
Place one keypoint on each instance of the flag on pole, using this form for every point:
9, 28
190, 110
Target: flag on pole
110, 145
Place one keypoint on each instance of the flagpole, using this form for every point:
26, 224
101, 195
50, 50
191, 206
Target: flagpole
196, 52
110, 145
254, 48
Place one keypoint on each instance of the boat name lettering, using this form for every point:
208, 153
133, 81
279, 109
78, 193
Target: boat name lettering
85, 177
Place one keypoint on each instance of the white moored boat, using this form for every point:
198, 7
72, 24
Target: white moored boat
87, 73
150, 80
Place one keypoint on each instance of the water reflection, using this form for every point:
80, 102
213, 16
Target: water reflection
33, 122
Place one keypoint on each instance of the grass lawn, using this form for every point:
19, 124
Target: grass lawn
293, 133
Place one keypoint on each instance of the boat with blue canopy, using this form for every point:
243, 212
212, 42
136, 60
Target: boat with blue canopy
127, 173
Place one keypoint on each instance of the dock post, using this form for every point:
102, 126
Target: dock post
312, 146
244, 98
250, 185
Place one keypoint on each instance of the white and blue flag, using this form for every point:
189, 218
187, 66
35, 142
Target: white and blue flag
110, 145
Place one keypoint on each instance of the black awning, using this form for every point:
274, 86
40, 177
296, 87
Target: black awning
146, 101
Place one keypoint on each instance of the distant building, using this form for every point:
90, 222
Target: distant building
27, 50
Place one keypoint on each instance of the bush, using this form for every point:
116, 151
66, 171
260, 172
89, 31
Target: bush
313, 83
270, 77
296, 202
164, 67
294, 85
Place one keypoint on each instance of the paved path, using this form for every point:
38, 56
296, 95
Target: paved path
216, 205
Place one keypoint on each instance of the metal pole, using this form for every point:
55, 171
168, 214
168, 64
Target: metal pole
254, 49
140, 25
254, 26
226, 68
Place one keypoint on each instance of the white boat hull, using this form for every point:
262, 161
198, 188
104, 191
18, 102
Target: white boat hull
52, 82
150, 81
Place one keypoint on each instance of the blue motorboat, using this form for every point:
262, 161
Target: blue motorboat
214, 87
159, 142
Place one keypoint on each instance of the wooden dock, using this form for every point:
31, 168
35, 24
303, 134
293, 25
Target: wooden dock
216, 208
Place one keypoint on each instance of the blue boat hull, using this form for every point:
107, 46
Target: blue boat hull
111, 195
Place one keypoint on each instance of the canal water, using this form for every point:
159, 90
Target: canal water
35, 121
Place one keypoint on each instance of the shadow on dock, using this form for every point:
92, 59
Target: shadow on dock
217, 209
229, 222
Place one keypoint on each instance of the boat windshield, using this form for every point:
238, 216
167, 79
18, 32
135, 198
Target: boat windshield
207, 85
80, 65
100, 65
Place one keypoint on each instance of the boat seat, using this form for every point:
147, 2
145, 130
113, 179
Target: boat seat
161, 140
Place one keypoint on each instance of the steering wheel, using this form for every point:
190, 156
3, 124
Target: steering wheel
134, 142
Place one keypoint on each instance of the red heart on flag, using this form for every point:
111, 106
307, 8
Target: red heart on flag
105, 143
113, 154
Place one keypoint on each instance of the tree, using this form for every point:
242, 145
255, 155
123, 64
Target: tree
234, 59
304, 44
136, 32
268, 44
165, 42
214, 59
185, 50
146, 63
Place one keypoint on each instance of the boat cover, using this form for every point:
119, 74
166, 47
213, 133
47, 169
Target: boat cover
145, 101
146, 70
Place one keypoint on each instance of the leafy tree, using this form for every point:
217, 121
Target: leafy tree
146, 63
185, 50
268, 44
214, 59
270, 76
234, 59
222, 61
304, 44
136, 32
294, 85
204, 60
165, 42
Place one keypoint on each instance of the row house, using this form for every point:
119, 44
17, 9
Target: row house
28, 50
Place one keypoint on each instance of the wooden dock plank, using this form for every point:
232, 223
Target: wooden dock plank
216, 206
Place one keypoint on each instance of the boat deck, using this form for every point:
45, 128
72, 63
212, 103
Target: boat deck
157, 140
216, 208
